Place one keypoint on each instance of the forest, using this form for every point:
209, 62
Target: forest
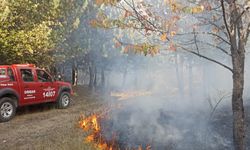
179, 68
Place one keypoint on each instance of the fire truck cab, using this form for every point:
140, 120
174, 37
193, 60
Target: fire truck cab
25, 84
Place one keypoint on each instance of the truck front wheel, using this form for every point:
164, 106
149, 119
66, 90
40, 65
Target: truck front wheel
64, 100
7, 109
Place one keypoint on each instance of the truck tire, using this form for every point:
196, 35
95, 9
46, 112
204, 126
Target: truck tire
7, 109
64, 100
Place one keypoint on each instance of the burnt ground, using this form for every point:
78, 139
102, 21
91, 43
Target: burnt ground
222, 124
168, 128
45, 127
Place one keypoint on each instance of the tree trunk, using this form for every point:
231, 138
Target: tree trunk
63, 72
91, 75
124, 78
102, 78
179, 78
95, 77
206, 86
136, 80
238, 62
237, 102
74, 75
190, 79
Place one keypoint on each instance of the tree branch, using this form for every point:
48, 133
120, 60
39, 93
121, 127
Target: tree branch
192, 52
242, 13
225, 20
215, 25
247, 33
140, 17
195, 41
217, 47
207, 58
209, 44
208, 33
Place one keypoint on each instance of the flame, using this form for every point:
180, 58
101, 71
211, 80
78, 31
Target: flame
90, 138
148, 147
92, 125
131, 94
90, 122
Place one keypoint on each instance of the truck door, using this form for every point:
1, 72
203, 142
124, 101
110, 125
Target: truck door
29, 86
48, 90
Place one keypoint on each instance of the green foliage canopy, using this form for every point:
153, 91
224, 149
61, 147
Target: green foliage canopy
30, 30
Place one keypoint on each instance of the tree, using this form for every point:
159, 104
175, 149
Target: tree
165, 23
30, 30
24, 33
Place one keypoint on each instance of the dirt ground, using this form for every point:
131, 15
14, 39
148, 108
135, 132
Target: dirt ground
45, 127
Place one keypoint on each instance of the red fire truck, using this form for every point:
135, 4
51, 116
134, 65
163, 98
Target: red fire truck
24, 84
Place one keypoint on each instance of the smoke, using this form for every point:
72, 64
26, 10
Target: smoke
169, 119
190, 105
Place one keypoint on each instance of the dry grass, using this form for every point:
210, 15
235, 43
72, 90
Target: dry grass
43, 127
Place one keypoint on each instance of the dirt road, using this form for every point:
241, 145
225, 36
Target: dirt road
45, 127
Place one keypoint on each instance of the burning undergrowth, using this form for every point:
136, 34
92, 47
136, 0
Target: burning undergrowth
147, 122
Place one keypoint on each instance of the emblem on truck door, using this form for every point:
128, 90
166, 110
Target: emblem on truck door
28, 94
49, 92
29, 91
